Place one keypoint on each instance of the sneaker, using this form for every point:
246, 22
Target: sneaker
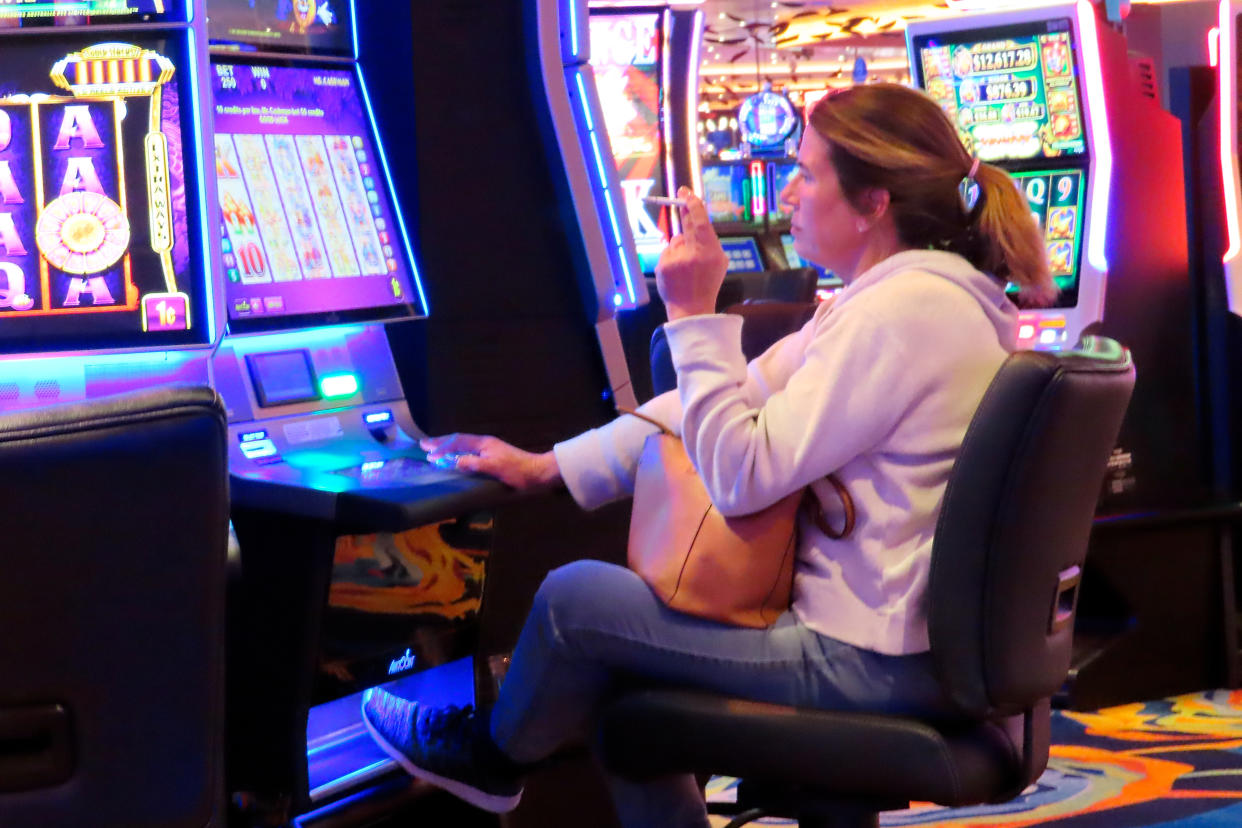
450, 747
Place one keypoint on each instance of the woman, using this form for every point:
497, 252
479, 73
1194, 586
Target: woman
877, 388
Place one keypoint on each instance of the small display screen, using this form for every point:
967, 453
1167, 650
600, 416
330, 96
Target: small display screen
27, 13
321, 27
1012, 91
283, 377
98, 246
310, 230
625, 57
743, 253
780, 173
1056, 198
791, 255
732, 193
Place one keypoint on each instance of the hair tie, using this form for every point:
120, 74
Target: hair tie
968, 189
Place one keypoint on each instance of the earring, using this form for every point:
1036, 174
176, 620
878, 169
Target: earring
862, 225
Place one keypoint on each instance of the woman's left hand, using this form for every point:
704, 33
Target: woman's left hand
693, 266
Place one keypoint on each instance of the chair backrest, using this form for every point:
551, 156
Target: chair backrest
113, 538
763, 323
788, 285
1013, 530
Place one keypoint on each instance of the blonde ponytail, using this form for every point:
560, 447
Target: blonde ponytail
1009, 242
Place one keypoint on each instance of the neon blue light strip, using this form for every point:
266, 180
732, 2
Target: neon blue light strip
312, 817
70, 368
601, 170
343, 782
353, 19
586, 108
205, 226
573, 27
379, 145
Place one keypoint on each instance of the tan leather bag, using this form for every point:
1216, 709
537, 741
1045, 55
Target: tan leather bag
736, 570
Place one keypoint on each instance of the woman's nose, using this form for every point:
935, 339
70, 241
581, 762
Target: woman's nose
786, 196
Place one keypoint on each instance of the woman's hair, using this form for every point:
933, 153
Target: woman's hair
897, 139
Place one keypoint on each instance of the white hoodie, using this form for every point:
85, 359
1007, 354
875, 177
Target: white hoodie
878, 387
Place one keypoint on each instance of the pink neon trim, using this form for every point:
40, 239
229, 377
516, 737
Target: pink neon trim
1228, 127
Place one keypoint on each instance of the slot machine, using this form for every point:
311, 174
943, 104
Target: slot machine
1050, 95
646, 70
107, 286
361, 563
105, 270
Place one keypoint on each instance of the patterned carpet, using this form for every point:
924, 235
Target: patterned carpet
1173, 762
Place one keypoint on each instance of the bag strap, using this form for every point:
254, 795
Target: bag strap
816, 512
810, 503
663, 428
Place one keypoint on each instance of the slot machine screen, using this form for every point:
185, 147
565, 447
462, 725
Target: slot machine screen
1012, 91
35, 13
310, 231
98, 249
625, 56
791, 255
1056, 197
321, 27
780, 173
728, 193
743, 253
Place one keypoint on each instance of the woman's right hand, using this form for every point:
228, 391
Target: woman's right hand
693, 264
481, 454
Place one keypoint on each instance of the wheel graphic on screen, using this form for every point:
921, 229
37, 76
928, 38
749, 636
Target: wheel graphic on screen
82, 233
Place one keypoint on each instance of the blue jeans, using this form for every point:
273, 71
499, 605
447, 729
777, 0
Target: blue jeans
593, 623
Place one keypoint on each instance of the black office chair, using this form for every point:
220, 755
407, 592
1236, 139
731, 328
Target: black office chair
763, 323
113, 535
1008, 551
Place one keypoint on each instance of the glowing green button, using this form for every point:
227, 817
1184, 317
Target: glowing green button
338, 385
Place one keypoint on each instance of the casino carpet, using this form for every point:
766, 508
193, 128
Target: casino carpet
1174, 762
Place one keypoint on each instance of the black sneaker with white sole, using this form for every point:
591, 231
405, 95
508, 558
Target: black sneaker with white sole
450, 747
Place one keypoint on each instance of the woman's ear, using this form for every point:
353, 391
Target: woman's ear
876, 202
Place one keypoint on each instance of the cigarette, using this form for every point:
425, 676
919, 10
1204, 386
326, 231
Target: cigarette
663, 201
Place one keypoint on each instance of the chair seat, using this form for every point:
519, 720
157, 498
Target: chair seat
847, 755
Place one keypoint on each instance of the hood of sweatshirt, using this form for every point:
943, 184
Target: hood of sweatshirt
987, 290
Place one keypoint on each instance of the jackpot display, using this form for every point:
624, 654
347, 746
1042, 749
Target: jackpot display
96, 248
27, 13
299, 26
625, 56
1012, 91
309, 231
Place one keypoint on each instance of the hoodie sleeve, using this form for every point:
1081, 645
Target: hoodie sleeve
846, 393
599, 466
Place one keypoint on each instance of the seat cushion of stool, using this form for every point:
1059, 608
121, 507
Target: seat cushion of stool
655, 732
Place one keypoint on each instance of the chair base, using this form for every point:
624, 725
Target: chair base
811, 811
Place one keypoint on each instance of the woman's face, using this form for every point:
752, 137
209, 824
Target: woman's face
825, 225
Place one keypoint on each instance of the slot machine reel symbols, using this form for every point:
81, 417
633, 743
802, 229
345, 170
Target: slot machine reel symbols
1061, 223
1059, 253
83, 233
